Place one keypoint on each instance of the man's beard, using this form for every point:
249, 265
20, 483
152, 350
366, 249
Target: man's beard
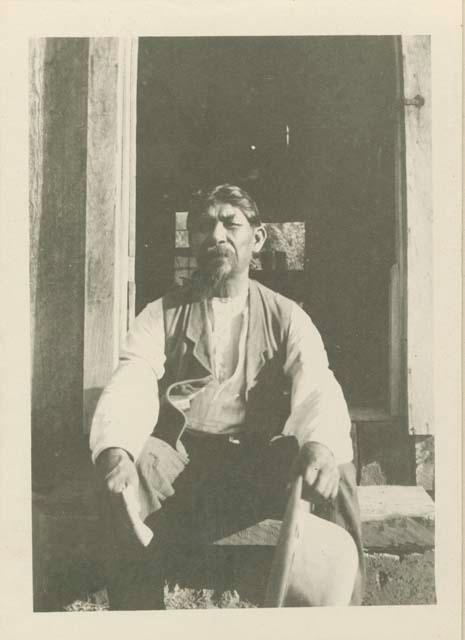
212, 276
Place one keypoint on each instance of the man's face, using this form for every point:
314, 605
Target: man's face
223, 241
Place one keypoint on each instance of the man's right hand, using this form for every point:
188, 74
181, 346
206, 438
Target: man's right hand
117, 470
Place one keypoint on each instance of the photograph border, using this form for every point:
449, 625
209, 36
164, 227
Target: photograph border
24, 20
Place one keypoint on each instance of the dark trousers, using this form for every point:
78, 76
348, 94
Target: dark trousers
225, 487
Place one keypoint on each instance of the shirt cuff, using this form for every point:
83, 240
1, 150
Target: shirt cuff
342, 451
114, 444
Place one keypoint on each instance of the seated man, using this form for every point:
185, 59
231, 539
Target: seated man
235, 377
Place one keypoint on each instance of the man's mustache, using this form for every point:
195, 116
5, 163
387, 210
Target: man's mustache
216, 251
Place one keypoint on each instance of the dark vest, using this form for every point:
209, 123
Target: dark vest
188, 365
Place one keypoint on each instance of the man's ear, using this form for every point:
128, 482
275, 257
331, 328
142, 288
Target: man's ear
259, 238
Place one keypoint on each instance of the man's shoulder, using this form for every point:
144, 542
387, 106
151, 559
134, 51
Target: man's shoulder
284, 311
180, 295
175, 297
276, 300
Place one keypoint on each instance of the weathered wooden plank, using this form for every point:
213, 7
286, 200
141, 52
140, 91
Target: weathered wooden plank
417, 82
110, 209
103, 175
384, 502
58, 111
398, 535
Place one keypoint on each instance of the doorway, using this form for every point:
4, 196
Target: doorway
309, 127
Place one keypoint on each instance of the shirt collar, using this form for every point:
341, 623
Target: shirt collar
233, 306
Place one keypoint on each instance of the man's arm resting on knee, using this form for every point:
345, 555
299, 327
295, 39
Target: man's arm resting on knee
319, 417
116, 469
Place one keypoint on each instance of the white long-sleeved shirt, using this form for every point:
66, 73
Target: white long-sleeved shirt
128, 407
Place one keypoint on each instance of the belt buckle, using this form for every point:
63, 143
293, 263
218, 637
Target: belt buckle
234, 440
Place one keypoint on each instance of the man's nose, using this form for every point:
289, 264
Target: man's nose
218, 232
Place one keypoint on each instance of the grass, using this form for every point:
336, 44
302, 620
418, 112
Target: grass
175, 598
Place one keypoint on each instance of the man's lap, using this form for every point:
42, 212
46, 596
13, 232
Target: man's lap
224, 487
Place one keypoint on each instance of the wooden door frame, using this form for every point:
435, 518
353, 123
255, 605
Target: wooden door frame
398, 396
110, 210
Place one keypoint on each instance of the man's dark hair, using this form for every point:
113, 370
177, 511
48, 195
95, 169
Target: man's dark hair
223, 194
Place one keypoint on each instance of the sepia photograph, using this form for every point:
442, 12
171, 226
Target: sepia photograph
231, 339
231, 312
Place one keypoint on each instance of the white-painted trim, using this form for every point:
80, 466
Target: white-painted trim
125, 219
417, 82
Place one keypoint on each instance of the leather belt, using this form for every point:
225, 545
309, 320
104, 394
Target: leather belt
235, 439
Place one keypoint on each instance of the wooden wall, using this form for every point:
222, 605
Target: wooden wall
80, 198
101, 230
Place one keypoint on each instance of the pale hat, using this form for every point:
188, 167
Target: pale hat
315, 561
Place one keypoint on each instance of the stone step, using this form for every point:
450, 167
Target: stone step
377, 502
383, 502
395, 519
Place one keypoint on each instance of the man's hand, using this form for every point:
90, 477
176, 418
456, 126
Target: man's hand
117, 470
318, 467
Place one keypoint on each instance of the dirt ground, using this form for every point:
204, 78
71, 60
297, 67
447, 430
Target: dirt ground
391, 580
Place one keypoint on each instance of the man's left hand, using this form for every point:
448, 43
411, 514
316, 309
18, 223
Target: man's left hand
316, 463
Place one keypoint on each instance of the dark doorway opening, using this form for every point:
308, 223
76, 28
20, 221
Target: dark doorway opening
308, 126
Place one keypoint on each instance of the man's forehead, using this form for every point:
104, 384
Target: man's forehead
223, 210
